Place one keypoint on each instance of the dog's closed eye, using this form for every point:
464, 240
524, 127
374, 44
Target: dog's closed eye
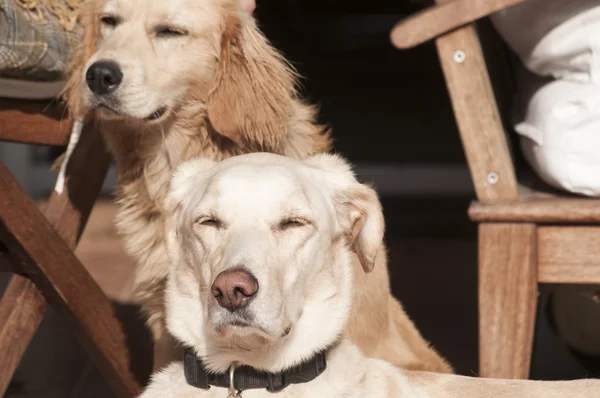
289, 223
207, 221
169, 31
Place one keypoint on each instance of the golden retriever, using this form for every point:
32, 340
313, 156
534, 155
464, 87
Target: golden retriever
171, 80
261, 279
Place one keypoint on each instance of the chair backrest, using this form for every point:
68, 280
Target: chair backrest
480, 107
478, 116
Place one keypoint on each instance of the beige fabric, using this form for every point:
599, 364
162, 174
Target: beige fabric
64, 11
36, 40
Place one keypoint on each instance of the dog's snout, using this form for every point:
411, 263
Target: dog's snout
234, 288
103, 77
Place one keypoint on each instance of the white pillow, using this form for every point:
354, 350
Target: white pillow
560, 131
559, 38
560, 123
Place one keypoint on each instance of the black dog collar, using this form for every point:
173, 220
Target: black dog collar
246, 378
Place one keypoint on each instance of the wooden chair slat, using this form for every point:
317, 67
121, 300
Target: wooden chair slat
41, 248
569, 254
21, 310
477, 116
443, 18
34, 123
56, 271
540, 210
68, 214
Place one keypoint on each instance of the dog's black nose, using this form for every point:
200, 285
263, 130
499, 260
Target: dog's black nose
103, 77
234, 288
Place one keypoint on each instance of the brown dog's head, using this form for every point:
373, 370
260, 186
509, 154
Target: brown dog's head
148, 60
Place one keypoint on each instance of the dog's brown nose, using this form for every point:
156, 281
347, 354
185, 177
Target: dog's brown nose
234, 288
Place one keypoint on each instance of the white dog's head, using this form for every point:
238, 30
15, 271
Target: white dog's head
150, 61
261, 256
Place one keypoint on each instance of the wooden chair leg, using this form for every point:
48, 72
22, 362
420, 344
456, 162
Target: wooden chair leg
34, 246
21, 311
507, 258
68, 214
507, 298
44, 257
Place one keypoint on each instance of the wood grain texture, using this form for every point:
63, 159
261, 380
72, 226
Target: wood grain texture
442, 18
553, 210
477, 116
53, 267
21, 310
68, 214
33, 122
63, 279
569, 254
507, 299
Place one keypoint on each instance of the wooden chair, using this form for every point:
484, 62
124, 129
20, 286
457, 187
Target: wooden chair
37, 247
526, 236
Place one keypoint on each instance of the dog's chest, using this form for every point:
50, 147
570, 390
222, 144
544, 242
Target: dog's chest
157, 174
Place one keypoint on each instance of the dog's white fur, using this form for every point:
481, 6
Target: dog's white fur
294, 225
226, 92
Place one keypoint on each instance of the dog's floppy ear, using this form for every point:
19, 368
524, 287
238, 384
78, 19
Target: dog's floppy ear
185, 181
251, 100
357, 206
184, 184
73, 91
361, 218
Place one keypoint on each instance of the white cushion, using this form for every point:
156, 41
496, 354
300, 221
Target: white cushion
560, 123
560, 132
559, 38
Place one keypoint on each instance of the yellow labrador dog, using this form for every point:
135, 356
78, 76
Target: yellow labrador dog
171, 80
262, 281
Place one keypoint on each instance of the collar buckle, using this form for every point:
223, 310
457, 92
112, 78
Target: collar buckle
233, 392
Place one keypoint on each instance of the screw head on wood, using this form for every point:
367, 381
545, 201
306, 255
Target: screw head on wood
493, 178
459, 56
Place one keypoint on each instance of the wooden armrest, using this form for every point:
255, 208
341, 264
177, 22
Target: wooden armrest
32, 122
442, 18
539, 210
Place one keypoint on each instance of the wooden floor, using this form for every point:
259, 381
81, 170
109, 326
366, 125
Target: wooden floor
102, 253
